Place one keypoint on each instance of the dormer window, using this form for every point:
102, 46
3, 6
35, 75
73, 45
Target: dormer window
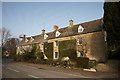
45, 36
26, 40
80, 29
32, 39
57, 34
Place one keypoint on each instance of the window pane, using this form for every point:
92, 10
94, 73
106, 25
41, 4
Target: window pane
56, 54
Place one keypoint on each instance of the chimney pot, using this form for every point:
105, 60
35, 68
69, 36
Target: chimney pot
56, 27
70, 23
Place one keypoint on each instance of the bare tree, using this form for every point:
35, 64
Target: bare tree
10, 46
5, 35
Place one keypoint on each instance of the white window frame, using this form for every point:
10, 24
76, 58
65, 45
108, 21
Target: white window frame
57, 34
45, 36
80, 29
79, 54
55, 55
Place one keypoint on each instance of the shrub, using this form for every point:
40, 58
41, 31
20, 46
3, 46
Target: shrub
25, 56
92, 63
49, 61
15, 57
56, 62
18, 57
39, 57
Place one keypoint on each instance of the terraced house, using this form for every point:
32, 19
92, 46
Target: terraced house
76, 40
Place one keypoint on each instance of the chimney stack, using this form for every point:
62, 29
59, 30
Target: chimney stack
56, 27
24, 36
43, 31
71, 23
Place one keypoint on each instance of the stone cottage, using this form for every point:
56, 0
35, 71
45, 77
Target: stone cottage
89, 41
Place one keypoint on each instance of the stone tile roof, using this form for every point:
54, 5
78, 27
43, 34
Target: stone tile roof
23, 42
38, 39
91, 26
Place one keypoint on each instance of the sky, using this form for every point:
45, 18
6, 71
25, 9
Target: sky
55, 0
30, 18
0, 14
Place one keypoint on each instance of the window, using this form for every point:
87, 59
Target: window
45, 36
56, 43
57, 33
56, 55
79, 41
80, 54
80, 29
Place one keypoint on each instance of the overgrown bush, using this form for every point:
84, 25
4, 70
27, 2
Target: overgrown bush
57, 62
92, 63
18, 57
49, 61
26, 56
39, 57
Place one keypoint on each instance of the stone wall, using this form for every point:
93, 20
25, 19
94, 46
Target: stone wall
95, 44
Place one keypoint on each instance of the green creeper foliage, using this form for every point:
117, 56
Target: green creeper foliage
68, 48
48, 50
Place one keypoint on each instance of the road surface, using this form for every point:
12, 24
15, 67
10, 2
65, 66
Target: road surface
11, 69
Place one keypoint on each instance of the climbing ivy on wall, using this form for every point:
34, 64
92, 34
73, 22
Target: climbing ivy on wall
68, 48
38, 53
48, 50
